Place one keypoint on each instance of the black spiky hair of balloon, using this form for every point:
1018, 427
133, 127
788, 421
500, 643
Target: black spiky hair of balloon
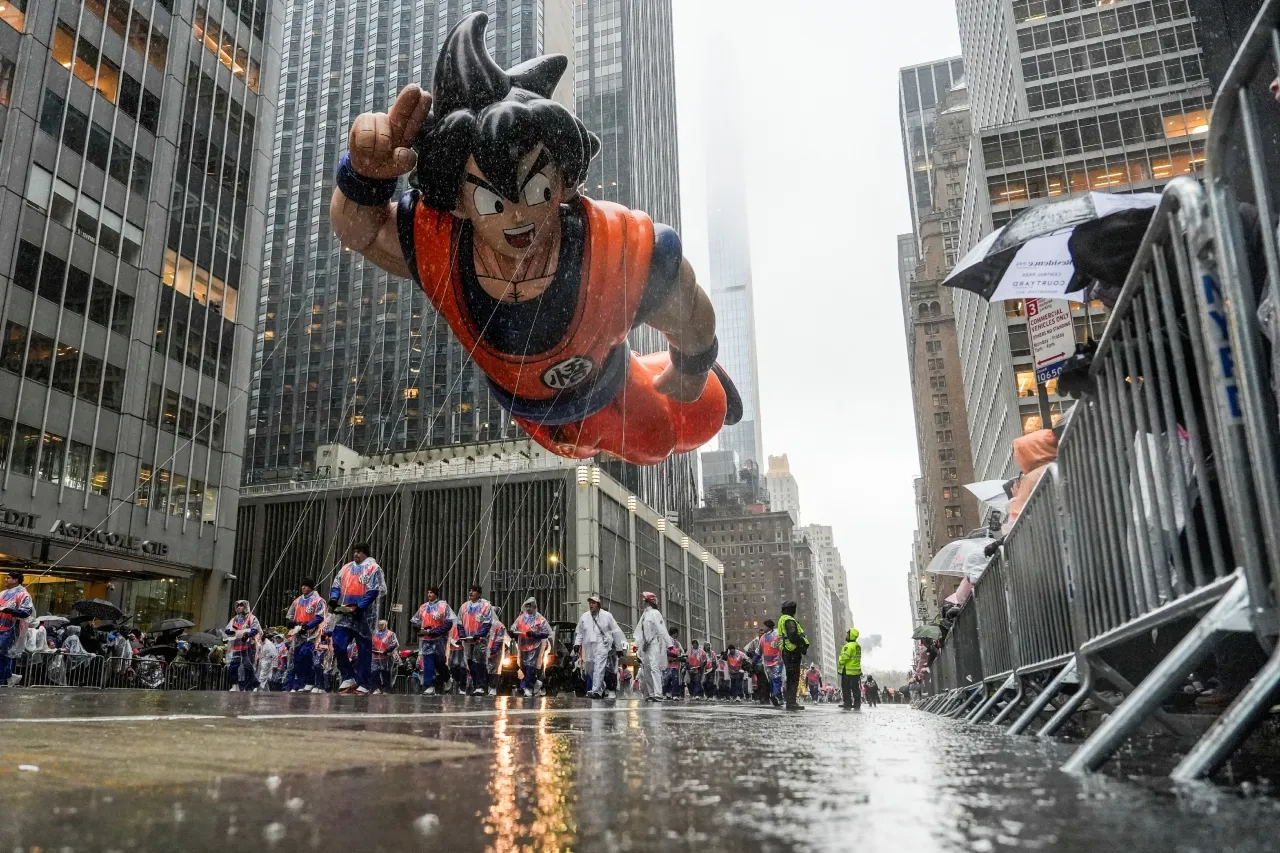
497, 116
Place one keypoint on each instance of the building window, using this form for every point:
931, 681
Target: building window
14, 13
63, 366
943, 436
69, 463
948, 493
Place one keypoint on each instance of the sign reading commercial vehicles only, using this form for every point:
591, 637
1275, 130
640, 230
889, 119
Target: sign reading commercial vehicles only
1053, 335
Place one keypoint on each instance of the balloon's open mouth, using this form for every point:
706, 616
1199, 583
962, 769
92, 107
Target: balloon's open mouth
521, 238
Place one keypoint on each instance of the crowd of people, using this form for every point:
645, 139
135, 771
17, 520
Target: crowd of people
336, 643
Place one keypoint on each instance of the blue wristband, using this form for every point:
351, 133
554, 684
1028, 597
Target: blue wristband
367, 192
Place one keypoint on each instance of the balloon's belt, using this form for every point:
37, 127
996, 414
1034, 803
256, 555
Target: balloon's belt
572, 406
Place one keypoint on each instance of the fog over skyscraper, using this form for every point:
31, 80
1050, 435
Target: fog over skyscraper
729, 242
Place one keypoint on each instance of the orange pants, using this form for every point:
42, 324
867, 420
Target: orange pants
640, 425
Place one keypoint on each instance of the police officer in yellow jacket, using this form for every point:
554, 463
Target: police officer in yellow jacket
794, 646
850, 668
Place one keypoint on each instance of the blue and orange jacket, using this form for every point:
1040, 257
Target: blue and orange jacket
770, 649
615, 269
476, 618
384, 643
697, 659
357, 584
17, 599
735, 659
308, 610
247, 622
674, 651
530, 630
433, 618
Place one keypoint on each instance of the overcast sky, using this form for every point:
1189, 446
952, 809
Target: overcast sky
827, 196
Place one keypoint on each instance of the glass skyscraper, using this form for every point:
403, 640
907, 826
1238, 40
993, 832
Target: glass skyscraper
134, 152
625, 93
345, 352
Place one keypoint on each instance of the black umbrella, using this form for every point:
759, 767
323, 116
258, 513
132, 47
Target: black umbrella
97, 608
1036, 255
172, 625
202, 639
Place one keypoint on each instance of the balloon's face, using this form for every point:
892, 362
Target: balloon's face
512, 227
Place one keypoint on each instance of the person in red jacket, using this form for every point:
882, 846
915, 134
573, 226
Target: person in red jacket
540, 284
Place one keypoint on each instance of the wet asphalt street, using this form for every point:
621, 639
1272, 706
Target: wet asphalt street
150, 771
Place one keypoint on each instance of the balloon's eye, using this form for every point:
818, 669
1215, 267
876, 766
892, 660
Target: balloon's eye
487, 202
537, 190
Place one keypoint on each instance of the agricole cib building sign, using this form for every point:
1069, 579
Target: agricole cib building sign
84, 534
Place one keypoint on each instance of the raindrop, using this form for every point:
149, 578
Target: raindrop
273, 783
427, 824
294, 804
274, 832
28, 768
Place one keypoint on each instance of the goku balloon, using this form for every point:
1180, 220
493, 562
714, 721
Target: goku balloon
538, 282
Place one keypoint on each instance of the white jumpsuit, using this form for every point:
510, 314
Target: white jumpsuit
598, 635
652, 641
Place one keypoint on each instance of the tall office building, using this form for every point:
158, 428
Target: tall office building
135, 159
347, 354
821, 539
920, 89
1067, 96
937, 121
626, 94
729, 234
784, 491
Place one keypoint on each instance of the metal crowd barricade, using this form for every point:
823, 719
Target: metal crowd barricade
136, 673
990, 598
59, 669
197, 676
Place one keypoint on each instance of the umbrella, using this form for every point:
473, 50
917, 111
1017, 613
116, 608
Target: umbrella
994, 493
202, 639
171, 625
927, 632
1032, 256
52, 621
97, 608
963, 558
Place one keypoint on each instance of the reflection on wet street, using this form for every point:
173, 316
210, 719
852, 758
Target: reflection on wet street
205, 771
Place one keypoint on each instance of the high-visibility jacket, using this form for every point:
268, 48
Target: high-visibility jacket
530, 630
770, 649
851, 655
787, 644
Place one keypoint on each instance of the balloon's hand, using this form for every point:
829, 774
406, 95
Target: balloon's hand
679, 386
380, 142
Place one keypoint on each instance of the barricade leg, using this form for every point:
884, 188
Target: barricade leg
1230, 730
1009, 684
1231, 613
1108, 673
1066, 675
1013, 703
1073, 703
974, 695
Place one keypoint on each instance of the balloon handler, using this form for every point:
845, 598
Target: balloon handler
539, 283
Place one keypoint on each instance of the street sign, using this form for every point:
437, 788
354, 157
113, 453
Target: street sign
1053, 336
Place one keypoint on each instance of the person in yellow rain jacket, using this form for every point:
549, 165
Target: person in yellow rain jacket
850, 668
